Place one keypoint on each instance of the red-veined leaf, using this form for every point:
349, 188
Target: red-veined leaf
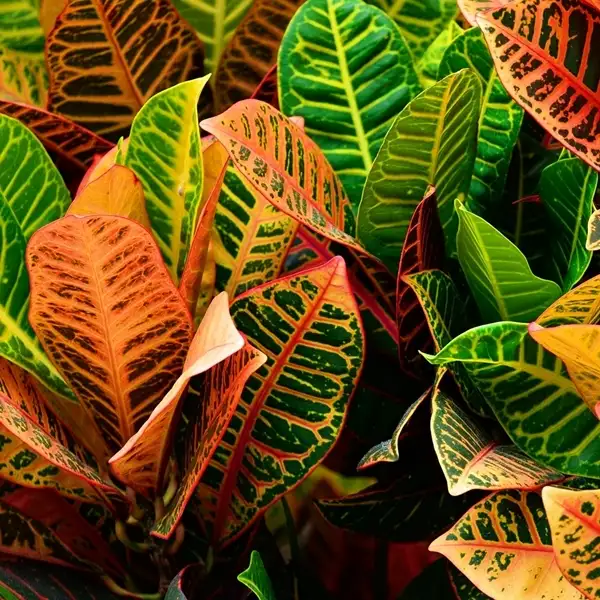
141, 462
107, 313
544, 52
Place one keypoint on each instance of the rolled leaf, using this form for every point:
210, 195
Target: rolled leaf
256, 578
580, 305
126, 350
139, 48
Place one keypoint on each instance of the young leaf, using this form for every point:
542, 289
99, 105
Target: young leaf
472, 460
349, 101
503, 546
256, 578
567, 189
531, 395
138, 48
502, 282
580, 305
142, 460
23, 76
431, 142
559, 89
164, 152
125, 351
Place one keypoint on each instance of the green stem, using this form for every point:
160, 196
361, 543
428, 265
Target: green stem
121, 533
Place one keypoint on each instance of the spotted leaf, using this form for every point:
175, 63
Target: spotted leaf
23, 76
470, 8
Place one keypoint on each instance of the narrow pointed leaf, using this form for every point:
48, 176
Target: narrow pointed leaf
431, 142
531, 395
503, 546
256, 578
139, 47
351, 100
499, 276
556, 86
115, 270
164, 152
20, 25
23, 76
142, 460
580, 305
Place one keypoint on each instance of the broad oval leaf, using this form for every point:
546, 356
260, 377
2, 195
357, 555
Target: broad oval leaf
546, 73
499, 276
580, 305
503, 546
164, 151
350, 100
431, 142
256, 578
125, 350
138, 48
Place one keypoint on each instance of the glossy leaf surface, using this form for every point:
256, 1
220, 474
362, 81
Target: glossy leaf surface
579, 305
470, 8
256, 578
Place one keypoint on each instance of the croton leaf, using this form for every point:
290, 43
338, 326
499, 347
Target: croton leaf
471, 459
256, 578
470, 8
292, 408
115, 270
431, 142
164, 151
429, 64
592, 241
20, 27
567, 189
499, 122
573, 517
283, 164
503, 546
251, 52
110, 74
351, 100
23, 76
531, 395
142, 460
557, 88
48, 13
499, 276
267, 89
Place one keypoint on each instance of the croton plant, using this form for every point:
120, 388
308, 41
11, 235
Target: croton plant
298, 299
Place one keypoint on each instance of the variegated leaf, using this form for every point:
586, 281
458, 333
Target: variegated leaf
20, 27
580, 305
23, 76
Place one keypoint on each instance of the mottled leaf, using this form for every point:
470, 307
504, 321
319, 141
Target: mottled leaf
23, 76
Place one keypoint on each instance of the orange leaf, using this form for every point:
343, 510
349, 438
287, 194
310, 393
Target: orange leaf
49, 11
108, 315
141, 462
470, 8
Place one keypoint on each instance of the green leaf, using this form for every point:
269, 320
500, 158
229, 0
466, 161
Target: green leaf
214, 22
499, 122
256, 578
164, 151
432, 142
567, 189
429, 64
345, 68
20, 27
531, 395
420, 22
502, 282
23, 76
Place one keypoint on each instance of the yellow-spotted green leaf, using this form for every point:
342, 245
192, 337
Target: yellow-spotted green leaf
531, 395
575, 525
164, 151
419, 22
293, 407
20, 27
429, 64
472, 460
567, 189
431, 142
282, 163
579, 305
499, 276
214, 22
503, 546
499, 121
23, 76
106, 58
123, 353
543, 53
256, 578
345, 68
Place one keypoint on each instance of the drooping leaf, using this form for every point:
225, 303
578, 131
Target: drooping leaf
580, 305
125, 351
256, 578
350, 100
419, 22
20, 27
136, 48
292, 409
531, 395
431, 142
503, 546
472, 460
164, 152
23, 76
499, 276
252, 50
547, 74
499, 121
567, 189
142, 461
429, 64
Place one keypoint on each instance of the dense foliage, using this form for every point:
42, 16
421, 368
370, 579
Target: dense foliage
298, 299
